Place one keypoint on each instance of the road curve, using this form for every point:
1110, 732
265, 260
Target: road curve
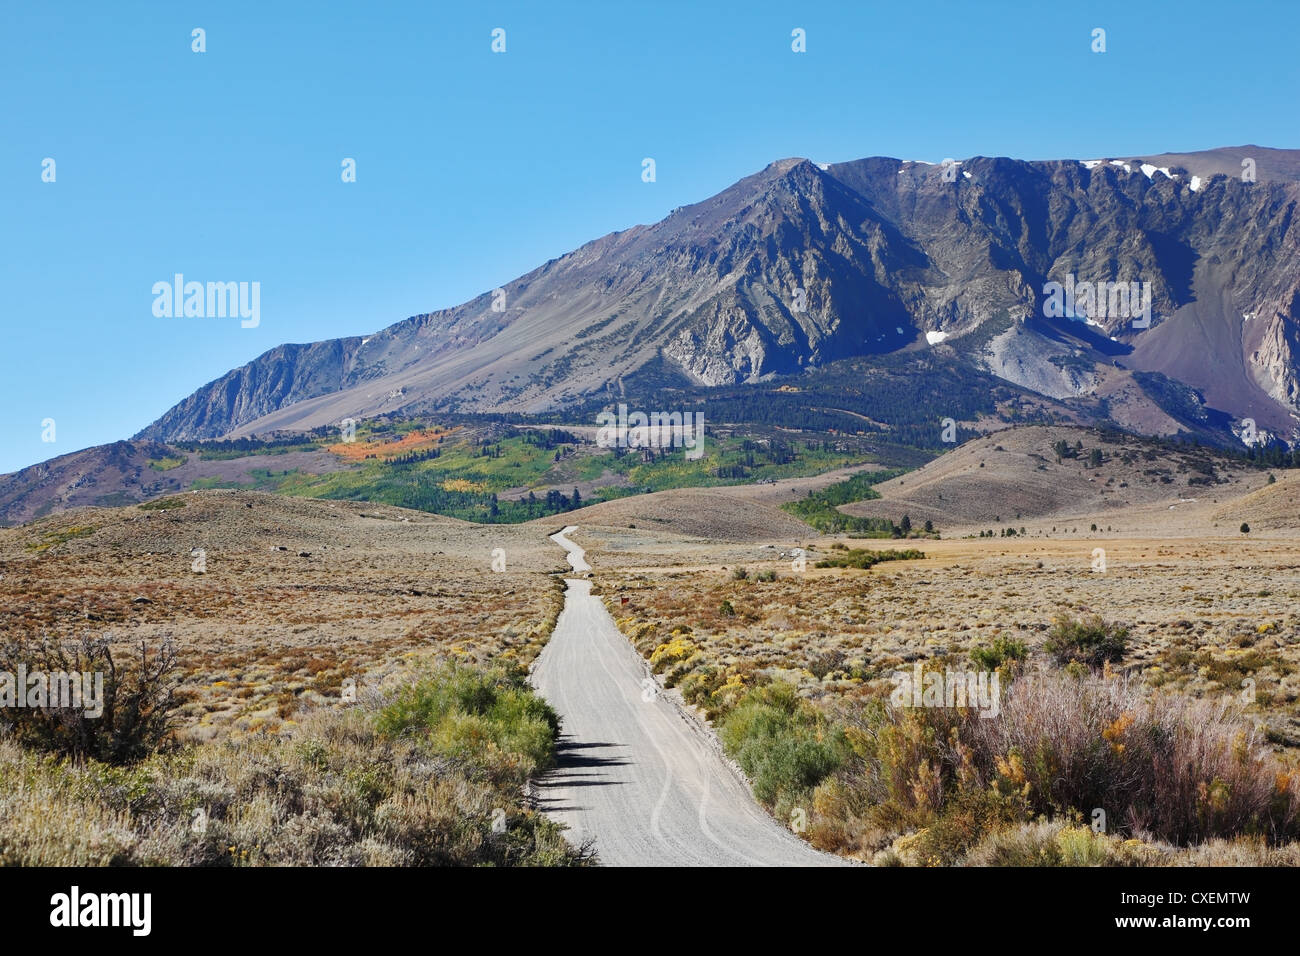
634, 774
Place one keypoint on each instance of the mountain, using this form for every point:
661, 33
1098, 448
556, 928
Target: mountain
884, 256
129, 472
104, 475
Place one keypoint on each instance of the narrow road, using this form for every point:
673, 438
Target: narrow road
634, 774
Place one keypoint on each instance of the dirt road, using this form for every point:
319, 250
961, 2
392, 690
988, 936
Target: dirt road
635, 775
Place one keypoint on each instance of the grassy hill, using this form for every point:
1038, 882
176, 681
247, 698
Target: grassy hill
1037, 473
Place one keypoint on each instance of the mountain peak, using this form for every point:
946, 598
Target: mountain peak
785, 165
801, 264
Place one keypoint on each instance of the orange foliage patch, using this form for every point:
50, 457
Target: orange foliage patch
412, 441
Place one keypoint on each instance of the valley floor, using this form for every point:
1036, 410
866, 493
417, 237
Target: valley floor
293, 598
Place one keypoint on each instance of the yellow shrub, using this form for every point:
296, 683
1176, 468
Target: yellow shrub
674, 650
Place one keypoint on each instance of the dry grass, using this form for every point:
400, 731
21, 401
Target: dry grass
298, 597
300, 603
1206, 618
1057, 843
343, 789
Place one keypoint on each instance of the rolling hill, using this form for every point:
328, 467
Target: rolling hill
1014, 477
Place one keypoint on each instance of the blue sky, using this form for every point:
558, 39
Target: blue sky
475, 167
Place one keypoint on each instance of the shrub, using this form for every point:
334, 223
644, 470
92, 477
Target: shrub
739, 574
1004, 651
1088, 641
715, 690
672, 651
163, 504
1184, 770
1053, 843
783, 744
967, 817
136, 708
823, 664
461, 711
865, 558
339, 791
1168, 768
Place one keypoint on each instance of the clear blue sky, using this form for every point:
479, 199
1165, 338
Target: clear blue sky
475, 167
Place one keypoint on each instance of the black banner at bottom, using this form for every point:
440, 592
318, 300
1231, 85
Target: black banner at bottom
334, 906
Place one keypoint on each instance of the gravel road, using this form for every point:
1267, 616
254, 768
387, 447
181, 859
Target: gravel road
635, 774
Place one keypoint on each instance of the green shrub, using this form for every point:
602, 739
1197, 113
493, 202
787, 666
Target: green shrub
1004, 651
163, 504
462, 712
1088, 641
865, 558
783, 744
